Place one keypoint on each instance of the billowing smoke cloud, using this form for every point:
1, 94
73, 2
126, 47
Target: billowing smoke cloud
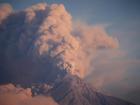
5, 10
11, 95
41, 40
92, 38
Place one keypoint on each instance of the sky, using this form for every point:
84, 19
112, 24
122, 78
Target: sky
121, 18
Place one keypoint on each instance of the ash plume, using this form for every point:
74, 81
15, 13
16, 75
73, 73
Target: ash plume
5, 10
41, 40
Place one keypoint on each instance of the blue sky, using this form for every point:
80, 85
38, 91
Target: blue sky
122, 18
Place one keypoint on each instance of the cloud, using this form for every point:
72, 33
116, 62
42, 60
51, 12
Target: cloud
92, 39
11, 95
42, 40
5, 10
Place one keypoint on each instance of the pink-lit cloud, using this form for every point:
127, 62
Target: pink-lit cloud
11, 95
47, 32
5, 10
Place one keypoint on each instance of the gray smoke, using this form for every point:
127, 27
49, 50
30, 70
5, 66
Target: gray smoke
40, 41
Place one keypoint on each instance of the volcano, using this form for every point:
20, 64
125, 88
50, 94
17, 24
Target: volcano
72, 90
42, 55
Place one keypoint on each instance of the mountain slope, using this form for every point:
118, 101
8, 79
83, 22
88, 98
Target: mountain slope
71, 90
